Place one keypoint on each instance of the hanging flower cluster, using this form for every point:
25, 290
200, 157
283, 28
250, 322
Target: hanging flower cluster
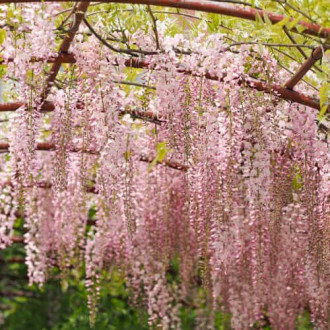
230, 183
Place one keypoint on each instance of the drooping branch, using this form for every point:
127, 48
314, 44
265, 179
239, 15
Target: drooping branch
79, 15
213, 7
299, 47
284, 3
154, 24
316, 55
132, 52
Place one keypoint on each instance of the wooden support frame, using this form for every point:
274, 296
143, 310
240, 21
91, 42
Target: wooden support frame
46, 146
285, 92
279, 91
252, 14
210, 7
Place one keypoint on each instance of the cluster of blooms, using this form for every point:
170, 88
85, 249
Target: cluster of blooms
248, 218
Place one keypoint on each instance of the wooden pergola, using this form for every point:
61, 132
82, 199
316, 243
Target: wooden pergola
286, 91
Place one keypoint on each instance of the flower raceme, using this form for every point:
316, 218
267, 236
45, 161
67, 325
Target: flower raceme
249, 217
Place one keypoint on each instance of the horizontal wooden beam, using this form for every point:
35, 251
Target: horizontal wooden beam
18, 239
18, 293
281, 92
47, 185
18, 260
63, 57
41, 146
49, 107
46, 146
277, 90
210, 7
171, 164
46, 106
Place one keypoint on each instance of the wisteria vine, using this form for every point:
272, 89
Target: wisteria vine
246, 214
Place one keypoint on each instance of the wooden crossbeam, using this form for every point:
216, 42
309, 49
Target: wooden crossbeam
210, 7
259, 85
46, 106
49, 107
46, 146
18, 260
279, 91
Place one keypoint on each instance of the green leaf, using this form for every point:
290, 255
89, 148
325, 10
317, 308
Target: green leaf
267, 20
152, 164
64, 285
282, 23
161, 149
292, 24
213, 22
300, 28
259, 19
127, 155
297, 182
324, 99
2, 36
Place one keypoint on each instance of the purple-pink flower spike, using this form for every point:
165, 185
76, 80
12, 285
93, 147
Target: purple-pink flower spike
247, 215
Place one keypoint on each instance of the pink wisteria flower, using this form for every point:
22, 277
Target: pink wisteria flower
232, 183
